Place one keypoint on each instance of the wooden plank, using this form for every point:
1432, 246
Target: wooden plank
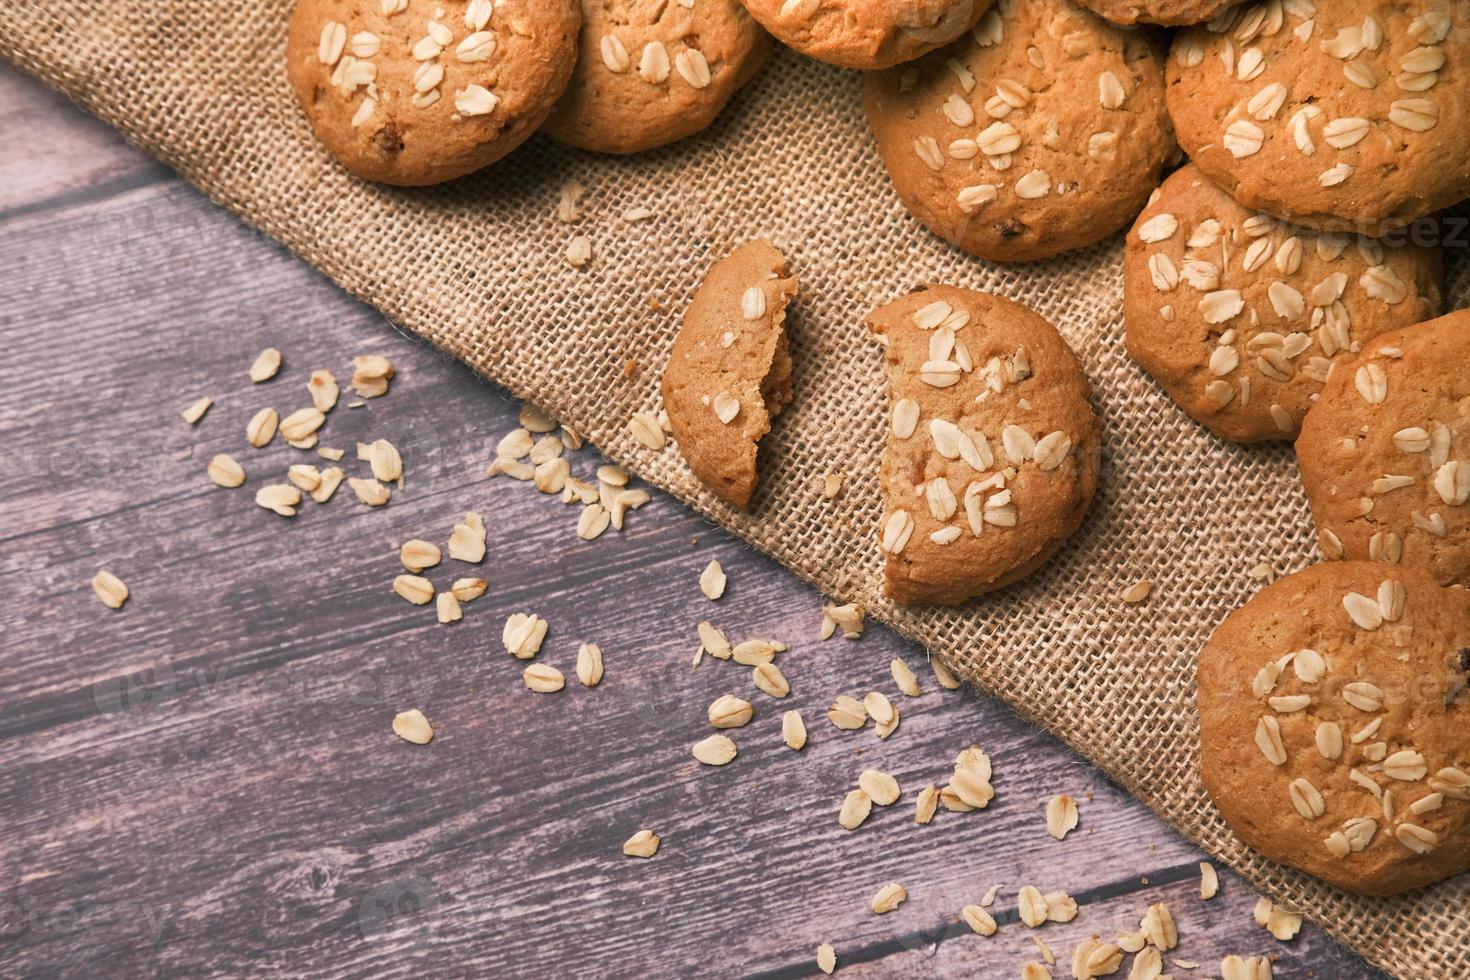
53, 158
206, 782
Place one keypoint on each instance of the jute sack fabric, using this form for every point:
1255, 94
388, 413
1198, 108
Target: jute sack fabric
478, 269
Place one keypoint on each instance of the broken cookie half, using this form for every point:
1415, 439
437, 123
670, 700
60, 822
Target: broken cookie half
730, 370
992, 453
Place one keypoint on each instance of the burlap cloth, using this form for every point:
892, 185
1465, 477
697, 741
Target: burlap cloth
478, 268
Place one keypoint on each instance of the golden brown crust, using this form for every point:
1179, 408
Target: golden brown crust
647, 76
730, 369
1172, 13
992, 452
1349, 781
1241, 316
1346, 115
1385, 452
866, 34
1041, 131
379, 102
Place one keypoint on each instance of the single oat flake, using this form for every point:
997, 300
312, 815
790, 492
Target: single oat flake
712, 581
412, 726
110, 589
643, 844
889, 897
716, 750
1061, 816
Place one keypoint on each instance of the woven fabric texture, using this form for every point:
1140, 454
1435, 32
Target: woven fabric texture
477, 267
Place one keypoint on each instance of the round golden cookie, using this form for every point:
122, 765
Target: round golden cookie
1240, 316
651, 74
992, 452
1174, 13
866, 34
1335, 725
1385, 452
416, 92
1346, 115
1042, 130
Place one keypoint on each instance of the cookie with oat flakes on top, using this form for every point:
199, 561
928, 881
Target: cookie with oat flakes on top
651, 74
1385, 452
729, 371
1240, 317
1171, 13
992, 449
866, 34
1342, 115
1041, 131
1335, 725
413, 92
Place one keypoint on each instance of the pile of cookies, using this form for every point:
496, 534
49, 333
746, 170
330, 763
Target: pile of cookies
1278, 286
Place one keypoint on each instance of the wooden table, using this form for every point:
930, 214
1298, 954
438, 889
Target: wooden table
206, 782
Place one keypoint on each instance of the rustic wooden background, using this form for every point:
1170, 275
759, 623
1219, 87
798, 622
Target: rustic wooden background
206, 782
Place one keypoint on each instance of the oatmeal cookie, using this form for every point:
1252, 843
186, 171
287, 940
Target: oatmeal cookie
1335, 725
992, 453
1348, 115
1385, 452
1041, 131
1241, 317
729, 372
415, 92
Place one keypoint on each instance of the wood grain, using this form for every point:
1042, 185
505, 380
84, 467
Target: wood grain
206, 782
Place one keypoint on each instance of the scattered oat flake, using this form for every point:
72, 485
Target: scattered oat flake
793, 730
904, 678
447, 608
370, 492
261, 428
889, 897
412, 726
283, 498
324, 390
1276, 920
468, 589
414, 588
589, 664
643, 844
1061, 815
523, 635
386, 463
196, 410
848, 618
467, 539
636, 214
417, 555
831, 485
1209, 881
265, 366
716, 750
579, 251
927, 804
942, 674
1137, 592
225, 472
826, 958
645, 428
712, 581
543, 678
110, 589
980, 921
